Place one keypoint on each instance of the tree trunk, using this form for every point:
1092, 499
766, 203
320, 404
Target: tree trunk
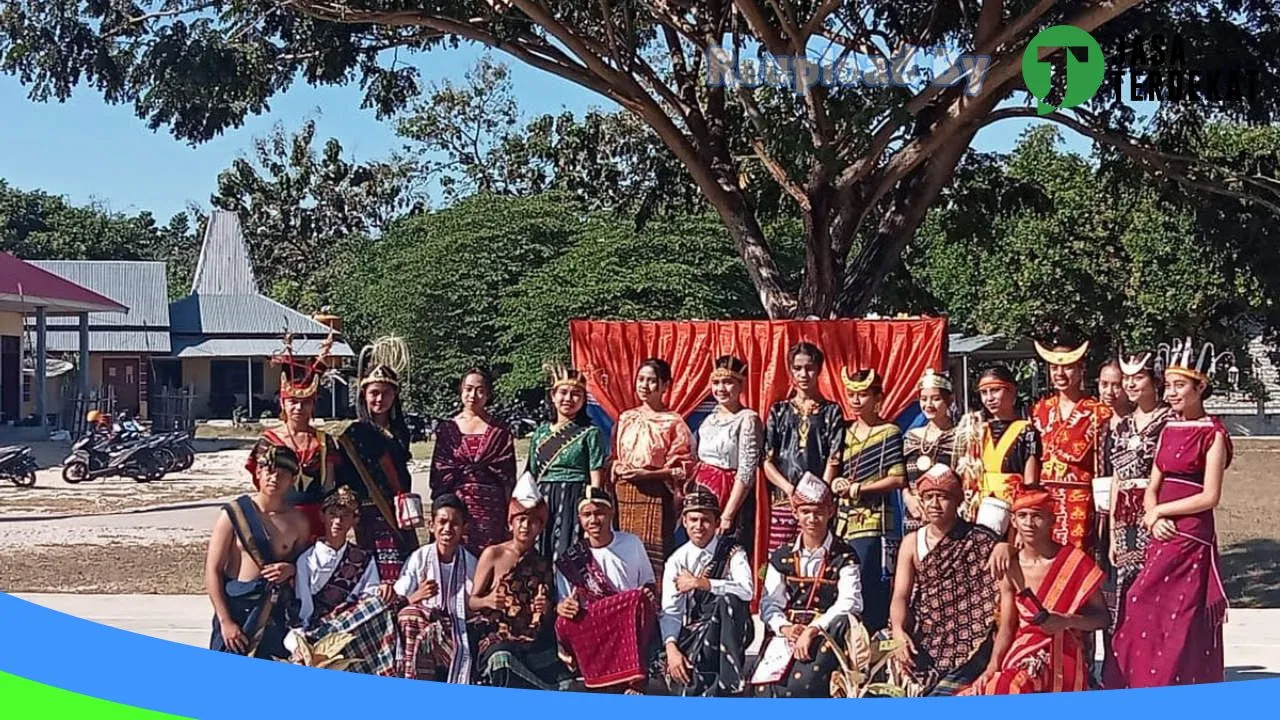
821, 266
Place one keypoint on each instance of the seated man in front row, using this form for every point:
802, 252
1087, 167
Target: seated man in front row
811, 584
943, 614
338, 591
1057, 592
248, 569
707, 588
436, 583
510, 622
608, 608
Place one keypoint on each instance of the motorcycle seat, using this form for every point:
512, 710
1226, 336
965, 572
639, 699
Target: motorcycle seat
11, 449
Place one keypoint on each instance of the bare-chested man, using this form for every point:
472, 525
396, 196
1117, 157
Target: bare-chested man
249, 567
1057, 591
511, 623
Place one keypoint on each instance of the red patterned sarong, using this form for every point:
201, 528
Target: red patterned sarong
716, 479
610, 639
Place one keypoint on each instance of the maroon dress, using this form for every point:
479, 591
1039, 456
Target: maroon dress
1170, 632
481, 470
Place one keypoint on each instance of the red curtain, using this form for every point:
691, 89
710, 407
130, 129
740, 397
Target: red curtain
609, 352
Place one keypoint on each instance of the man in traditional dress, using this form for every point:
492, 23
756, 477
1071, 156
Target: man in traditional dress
1072, 431
1057, 595
338, 591
375, 454
436, 582
249, 566
510, 625
810, 585
608, 604
315, 449
943, 615
707, 588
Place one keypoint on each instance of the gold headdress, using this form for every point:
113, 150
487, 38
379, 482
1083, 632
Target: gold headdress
384, 361
724, 373
933, 380
1176, 358
857, 385
301, 380
559, 375
1065, 357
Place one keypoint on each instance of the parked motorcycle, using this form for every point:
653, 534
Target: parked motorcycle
175, 453
18, 465
93, 457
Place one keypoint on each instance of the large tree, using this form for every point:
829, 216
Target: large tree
296, 203
861, 164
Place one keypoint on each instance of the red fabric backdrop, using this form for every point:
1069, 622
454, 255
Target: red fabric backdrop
609, 352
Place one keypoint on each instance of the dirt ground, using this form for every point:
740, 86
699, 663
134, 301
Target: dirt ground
163, 552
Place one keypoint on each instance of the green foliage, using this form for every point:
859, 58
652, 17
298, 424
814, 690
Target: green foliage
1043, 241
437, 280
296, 202
35, 225
493, 280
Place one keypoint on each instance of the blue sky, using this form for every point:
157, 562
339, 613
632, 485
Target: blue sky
87, 150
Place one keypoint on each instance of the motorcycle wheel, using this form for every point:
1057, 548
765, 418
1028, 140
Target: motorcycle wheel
166, 459
25, 481
75, 472
184, 460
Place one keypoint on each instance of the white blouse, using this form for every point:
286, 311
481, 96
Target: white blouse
732, 442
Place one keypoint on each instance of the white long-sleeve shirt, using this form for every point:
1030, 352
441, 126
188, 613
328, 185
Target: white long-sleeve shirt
676, 605
314, 568
773, 603
624, 561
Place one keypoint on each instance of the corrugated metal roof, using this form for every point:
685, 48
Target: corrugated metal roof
141, 285
112, 341
194, 346
238, 315
224, 267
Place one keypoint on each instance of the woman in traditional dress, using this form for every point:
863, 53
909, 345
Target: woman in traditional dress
1131, 452
729, 443
565, 456
475, 459
868, 504
1170, 630
804, 434
926, 446
375, 457
653, 451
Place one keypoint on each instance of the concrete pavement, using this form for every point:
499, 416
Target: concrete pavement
1252, 637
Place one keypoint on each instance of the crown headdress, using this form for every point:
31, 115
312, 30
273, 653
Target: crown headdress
724, 373
300, 379
1177, 358
559, 375
857, 385
386, 360
1064, 357
933, 380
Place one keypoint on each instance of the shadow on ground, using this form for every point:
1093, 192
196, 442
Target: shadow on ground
1249, 672
1251, 573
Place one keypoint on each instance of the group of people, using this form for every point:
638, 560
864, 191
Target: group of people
975, 549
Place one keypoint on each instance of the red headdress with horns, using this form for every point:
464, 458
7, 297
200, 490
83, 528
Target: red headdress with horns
300, 379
